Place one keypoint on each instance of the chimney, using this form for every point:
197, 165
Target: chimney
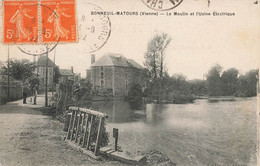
93, 58
71, 68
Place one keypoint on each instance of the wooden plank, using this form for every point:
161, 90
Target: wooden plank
89, 132
88, 111
132, 159
110, 151
98, 136
70, 125
77, 127
73, 126
103, 150
85, 131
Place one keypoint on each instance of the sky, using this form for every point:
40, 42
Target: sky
198, 42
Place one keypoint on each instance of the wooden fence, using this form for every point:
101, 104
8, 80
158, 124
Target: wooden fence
81, 129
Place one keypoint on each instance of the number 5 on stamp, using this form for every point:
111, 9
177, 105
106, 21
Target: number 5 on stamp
20, 22
58, 21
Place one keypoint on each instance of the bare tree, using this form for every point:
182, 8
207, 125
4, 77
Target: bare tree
154, 56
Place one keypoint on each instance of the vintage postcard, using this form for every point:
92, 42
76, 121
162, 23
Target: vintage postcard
129, 82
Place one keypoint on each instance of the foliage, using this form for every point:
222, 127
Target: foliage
83, 92
56, 74
33, 81
198, 87
154, 56
100, 91
135, 96
214, 80
174, 89
247, 83
19, 69
229, 83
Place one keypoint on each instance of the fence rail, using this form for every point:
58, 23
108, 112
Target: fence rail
81, 129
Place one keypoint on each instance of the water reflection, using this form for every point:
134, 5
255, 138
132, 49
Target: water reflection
119, 111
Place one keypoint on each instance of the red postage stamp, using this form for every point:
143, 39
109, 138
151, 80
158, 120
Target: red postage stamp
58, 21
20, 22
23, 24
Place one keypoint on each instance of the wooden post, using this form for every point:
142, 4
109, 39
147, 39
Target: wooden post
81, 128
98, 136
70, 125
77, 127
85, 132
115, 135
89, 132
73, 126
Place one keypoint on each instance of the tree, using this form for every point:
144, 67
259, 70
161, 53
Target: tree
33, 81
247, 83
154, 61
154, 56
229, 81
56, 74
198, 87
214, 80
19, 69
135, 96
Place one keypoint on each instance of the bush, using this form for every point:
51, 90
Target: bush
135, 96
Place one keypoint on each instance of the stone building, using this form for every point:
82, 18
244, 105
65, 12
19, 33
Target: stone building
66, 74
41, 71
114, 72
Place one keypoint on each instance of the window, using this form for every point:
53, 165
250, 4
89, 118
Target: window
126, 88
50, 71
102, 76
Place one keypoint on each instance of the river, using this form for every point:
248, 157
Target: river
202, 133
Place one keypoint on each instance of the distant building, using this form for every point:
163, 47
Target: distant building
77, 78
41, 71
66, 74
114, 72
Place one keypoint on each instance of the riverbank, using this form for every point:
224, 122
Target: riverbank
180, 99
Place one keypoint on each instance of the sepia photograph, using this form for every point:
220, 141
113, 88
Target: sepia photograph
129, 82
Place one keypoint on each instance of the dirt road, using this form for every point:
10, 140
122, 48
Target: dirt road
28, 138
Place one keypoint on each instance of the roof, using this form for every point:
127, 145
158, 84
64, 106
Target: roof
42, 62
113, 59
66, 72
